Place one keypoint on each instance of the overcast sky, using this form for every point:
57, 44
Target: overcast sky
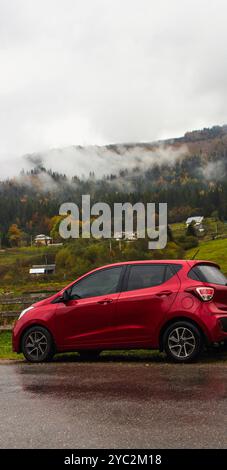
104, 71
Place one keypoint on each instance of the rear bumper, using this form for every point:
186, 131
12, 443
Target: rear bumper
218, 332
223, 323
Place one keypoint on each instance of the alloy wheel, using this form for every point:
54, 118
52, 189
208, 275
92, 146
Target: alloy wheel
36, 345
181, 342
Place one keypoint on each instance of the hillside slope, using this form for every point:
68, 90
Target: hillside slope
189, 173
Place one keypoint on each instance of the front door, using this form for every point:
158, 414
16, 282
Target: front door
86, 320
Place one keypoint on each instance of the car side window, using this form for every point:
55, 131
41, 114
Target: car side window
171, 270
147, 275
207, 273
102, 282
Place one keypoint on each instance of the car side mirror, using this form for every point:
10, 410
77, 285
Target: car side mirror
66, 296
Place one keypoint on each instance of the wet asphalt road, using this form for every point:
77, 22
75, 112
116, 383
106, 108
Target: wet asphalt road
113, 404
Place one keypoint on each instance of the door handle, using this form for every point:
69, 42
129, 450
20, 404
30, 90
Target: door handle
105, 301
164, 293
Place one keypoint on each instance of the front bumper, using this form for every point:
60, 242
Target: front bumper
16, 334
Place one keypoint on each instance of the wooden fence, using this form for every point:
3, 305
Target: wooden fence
11, 307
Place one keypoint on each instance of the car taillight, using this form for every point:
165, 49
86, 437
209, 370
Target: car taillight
205, 293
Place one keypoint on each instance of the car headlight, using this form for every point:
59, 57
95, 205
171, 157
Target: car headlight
24, 311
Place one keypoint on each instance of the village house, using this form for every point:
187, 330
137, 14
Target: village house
197, 221
42, 240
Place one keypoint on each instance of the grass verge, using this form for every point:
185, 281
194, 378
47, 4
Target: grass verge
214, 250
143, 355
140, 355
6, 346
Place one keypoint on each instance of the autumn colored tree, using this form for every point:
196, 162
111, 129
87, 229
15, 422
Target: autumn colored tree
15, 235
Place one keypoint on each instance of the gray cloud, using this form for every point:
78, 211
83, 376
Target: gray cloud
103, 160
97, 72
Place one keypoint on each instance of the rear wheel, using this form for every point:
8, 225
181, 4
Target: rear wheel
182, 342
37, 344
89, 355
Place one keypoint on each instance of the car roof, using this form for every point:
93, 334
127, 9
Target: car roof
159, 261
184, 262
194, 262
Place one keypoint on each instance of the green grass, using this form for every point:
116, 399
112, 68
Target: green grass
210, 225
15, 262
213, 250
6, 346
14, 269
140, 355
10, 255
178, 229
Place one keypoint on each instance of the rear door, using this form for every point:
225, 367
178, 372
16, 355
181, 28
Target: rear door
148, 293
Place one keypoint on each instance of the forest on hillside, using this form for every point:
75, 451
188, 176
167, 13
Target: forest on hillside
194, 183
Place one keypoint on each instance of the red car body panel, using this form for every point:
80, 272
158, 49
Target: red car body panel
89, 322
140, 313
128, 319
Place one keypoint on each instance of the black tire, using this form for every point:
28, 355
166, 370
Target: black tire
182, 342
89, 355
42, 341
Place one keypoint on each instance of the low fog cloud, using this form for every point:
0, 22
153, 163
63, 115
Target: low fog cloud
214, 171
103, 160
94, 72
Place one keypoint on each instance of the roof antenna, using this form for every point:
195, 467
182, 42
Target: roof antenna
195, 254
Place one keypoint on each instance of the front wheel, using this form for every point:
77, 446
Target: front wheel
182, 342
37, 344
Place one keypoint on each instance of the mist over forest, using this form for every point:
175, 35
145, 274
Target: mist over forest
189, 173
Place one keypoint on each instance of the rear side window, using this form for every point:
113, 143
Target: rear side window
149, 275
207, 273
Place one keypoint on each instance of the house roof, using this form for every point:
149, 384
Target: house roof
42, 236
196, 219
41, 268
49, 266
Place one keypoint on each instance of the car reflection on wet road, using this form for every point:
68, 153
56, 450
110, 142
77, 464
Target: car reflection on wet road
113, 405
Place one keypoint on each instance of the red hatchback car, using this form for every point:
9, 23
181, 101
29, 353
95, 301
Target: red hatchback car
175, 306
